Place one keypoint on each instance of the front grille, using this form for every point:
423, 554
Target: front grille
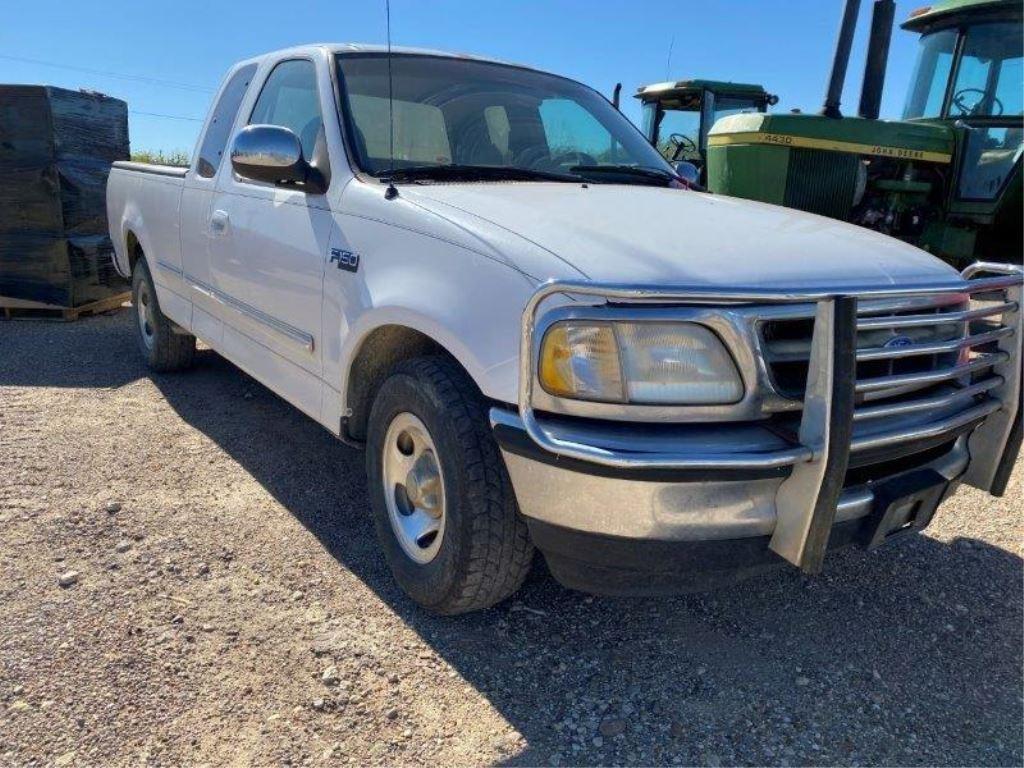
916, 359
821, 182
879, 468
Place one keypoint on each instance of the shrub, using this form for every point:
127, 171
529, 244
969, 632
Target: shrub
159, 157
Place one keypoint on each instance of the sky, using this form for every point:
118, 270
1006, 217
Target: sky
167, 58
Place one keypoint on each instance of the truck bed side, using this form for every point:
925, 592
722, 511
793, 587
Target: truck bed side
143, 210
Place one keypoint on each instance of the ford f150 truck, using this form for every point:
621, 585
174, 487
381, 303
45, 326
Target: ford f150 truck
478, 271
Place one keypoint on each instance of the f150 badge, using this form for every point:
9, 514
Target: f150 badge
344, 259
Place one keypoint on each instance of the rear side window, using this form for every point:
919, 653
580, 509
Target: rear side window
290, 99
223, 118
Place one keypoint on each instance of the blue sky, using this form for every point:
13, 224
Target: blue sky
784, 44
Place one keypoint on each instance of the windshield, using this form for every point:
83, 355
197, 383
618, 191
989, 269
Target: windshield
459, 113
931, 75
988, 76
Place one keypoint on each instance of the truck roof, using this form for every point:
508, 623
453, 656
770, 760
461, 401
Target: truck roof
371, 48
947, 11
655, 90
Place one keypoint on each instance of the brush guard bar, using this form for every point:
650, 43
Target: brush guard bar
806, 500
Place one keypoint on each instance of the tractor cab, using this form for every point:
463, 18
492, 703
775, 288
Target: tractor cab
969, 75
677, 116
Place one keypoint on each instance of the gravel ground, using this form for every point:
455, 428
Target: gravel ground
226, 602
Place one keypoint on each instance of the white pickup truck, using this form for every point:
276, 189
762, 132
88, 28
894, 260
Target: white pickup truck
485, 275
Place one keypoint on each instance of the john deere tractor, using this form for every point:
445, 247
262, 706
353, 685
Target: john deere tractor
678, 115
946, 177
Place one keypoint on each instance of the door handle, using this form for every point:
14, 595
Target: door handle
219, 222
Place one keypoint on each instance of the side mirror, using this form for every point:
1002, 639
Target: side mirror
687, 171
269, 153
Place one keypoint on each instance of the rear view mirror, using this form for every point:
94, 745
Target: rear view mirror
273, 154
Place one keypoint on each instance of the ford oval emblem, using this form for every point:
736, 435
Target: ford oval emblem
898, 341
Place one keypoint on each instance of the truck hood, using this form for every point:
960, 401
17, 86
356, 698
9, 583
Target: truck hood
636, 234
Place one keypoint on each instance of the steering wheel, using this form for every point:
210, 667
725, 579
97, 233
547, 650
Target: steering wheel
680, 143
997, 105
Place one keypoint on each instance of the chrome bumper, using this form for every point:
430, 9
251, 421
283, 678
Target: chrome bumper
804, 503
695, 505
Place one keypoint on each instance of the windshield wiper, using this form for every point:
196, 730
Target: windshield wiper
454, 172
653, 174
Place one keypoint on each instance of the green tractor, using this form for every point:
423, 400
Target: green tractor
677, 116
946, 177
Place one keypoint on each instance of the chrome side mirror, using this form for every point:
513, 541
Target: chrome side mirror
688, 171
269, 153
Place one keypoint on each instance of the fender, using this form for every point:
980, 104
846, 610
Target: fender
131, 224
380, 317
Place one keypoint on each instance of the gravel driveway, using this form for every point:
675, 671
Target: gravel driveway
226, 602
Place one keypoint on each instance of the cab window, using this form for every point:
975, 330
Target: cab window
726, 106
988, 80
679, 134
221, 121
990, 157
290, 99
931, 75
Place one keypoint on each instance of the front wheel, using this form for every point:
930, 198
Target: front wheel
443, 504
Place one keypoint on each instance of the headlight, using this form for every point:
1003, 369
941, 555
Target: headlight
644, 363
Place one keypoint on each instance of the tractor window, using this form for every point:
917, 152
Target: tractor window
988, 161
725, 106
679, 134
931, 74
988, 81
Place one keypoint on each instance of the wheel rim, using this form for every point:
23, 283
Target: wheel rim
147, 320
413, 488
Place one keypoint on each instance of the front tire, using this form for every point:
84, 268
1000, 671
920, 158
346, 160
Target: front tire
442, 501
165, 347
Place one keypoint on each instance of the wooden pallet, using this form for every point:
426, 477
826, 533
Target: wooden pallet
23, 308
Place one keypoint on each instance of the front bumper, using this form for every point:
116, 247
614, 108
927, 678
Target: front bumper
683, 505
640, 531
789, 496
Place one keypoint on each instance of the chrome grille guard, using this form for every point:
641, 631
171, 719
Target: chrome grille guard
806, 500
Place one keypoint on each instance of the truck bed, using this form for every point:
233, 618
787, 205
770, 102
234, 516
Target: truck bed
145, 199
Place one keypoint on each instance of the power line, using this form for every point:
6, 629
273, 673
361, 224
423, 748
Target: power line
169, 117
105, 73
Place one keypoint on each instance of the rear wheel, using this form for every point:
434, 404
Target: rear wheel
443, 504
164, 347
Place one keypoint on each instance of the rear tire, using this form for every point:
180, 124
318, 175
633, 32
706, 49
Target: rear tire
451, 533
164, 349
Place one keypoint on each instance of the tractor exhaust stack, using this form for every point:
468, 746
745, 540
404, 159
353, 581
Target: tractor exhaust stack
837, 78
882, 16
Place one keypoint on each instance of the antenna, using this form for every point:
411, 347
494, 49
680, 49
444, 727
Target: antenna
391, 192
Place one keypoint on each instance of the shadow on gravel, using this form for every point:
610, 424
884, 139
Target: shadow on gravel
908, 655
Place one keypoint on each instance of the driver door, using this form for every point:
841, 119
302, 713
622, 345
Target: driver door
269, 245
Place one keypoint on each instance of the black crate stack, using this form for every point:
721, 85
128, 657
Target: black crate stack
56, 147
